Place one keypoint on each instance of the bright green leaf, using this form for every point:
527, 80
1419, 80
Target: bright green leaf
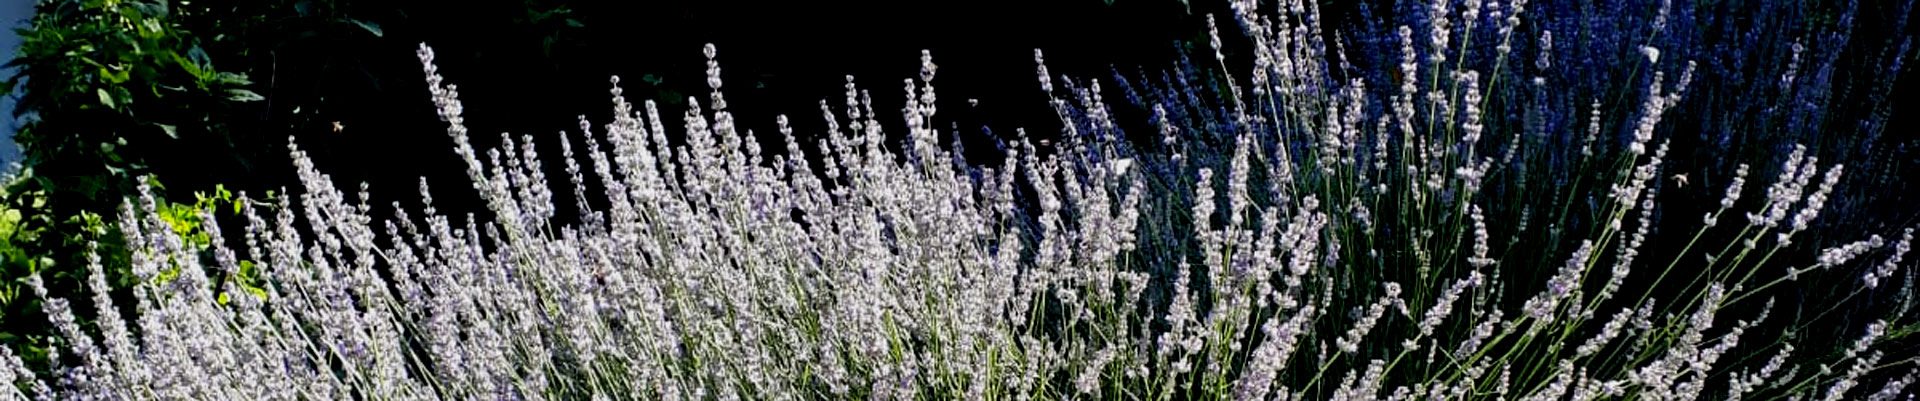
105, 98
172, 132
116, 77
191, 67
150, 28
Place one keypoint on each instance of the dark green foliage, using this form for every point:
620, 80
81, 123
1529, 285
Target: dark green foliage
109, 91
195, 93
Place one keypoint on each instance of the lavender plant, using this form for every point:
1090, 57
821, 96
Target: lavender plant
1323, 226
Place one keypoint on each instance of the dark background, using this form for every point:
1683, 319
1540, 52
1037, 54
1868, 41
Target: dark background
776, 58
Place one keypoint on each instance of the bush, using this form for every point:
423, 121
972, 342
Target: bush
1324, 227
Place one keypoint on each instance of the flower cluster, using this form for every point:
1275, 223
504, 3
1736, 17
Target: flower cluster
1370, 215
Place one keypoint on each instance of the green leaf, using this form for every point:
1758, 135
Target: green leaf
199, 57
151, 28
113, 76
575, 23
172, 132
369, 26
243, 95
191, 67
153, 9
232, 78
105, 98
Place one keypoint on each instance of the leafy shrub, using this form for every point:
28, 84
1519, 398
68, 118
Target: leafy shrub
1304, 228
113, 91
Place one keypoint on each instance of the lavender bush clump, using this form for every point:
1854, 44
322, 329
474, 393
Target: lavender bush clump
1458, 206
